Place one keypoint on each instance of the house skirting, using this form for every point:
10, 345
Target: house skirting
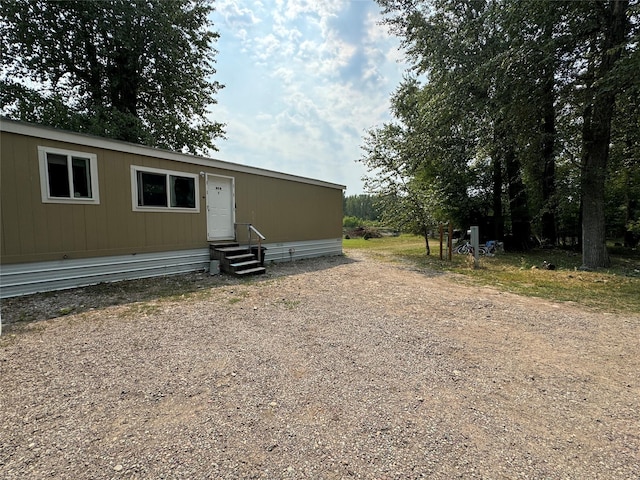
286, 252
28, 278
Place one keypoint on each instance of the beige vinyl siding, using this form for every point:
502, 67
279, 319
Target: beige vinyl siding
284, 210
22, 220
56, 231
32, 231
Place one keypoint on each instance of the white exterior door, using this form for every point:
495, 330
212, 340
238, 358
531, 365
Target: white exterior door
220, 207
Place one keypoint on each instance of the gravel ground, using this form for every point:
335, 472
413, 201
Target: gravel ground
344, 367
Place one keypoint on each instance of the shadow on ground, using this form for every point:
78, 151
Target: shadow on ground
19, 311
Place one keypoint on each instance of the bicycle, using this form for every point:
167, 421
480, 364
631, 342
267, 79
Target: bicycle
467, 249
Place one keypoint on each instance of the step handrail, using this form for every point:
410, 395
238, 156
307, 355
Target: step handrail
255, 230
250, 229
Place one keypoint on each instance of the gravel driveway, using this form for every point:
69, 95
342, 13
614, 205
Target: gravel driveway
345, 367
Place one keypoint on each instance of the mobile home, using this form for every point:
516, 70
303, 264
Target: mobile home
78, 210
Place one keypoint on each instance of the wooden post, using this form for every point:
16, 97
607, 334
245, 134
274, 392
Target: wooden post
441, 235
450, 240
475, 243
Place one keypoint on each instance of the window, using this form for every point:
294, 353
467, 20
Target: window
68, 177
160, 190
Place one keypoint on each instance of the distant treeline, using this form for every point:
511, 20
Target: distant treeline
361, 206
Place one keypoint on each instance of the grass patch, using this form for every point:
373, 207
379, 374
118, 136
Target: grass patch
66, 311
239, 295
290, 304
615, 289
391, 248
142, 309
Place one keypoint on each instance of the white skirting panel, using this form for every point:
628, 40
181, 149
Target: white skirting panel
27, 278
286, 252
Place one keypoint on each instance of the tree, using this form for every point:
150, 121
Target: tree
623, 179
139, 71
529, 85
607, 41
405, 204
471, 120
361, 206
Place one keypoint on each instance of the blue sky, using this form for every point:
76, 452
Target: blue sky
304, 80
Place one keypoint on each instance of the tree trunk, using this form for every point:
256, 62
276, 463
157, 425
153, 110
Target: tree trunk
425, 233
498, 219
593, 175
549, 161
596, 135
518, 204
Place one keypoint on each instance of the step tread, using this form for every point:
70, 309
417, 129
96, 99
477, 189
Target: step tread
240, 257
231, 249
251, 271
244, 264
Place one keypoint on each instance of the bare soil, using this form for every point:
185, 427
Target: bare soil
343, 367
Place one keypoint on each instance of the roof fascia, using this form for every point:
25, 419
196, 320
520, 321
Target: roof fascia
48, 133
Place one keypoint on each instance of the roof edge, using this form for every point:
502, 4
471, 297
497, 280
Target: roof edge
50, 133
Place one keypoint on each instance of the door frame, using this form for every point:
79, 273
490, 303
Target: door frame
233, 205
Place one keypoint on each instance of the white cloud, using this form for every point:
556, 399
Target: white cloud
325, 59
305, 79
292, 9
266, 47
285, 74
376, 32
236, 15
292, 34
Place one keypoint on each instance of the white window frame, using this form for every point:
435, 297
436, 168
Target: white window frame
141, 208
44, 176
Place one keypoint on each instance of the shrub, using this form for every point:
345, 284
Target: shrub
351, 222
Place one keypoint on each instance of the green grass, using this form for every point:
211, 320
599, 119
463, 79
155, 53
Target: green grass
290, 304
616, 289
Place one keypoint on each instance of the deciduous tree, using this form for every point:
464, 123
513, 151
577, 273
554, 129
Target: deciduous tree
531, 87
607, 41
134, 70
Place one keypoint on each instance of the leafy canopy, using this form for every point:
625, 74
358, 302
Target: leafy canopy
516, 114
134, 70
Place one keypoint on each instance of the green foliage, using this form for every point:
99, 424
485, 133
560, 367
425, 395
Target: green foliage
138, 71
364, 207
634, 227
509, 116
351, 222
623, 181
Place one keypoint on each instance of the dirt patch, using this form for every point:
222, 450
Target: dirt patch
345, 367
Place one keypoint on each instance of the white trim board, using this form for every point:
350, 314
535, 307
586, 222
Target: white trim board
38, 131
